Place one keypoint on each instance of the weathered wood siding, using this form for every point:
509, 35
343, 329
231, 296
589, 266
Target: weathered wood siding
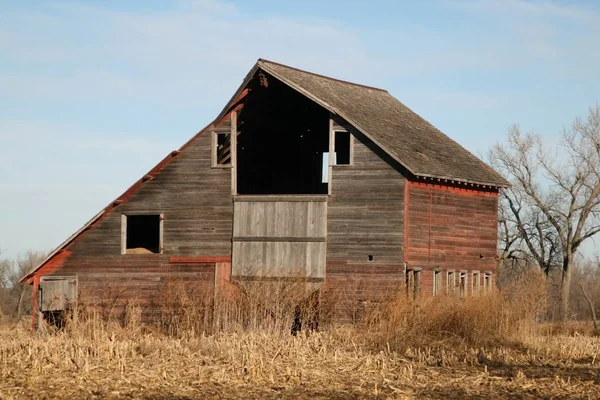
111, 282
195, 201
279, 236
365, 225
450, 228
57, 294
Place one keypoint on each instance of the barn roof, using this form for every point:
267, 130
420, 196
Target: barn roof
408, 138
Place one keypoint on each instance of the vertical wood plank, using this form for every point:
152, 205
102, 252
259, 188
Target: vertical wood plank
280, 219
213, 149
123, 234
331, 155
351, 137
161, 221
234, 153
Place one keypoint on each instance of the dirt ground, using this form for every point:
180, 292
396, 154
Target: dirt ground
105, 364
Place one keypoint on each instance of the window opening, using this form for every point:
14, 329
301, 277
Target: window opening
342, 148
417, 284
142, 234
487, 282
476, 282
462, 284
413, 283
451, 283
437, 282
223, 148
281, 140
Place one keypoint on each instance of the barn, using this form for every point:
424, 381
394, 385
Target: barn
300, 177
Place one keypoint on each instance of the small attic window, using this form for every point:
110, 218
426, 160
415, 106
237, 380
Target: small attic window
342, 148
141, 234
221, 149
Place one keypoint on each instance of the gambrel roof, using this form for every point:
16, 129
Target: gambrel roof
408, 138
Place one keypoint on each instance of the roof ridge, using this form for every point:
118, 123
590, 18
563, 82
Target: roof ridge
322, 76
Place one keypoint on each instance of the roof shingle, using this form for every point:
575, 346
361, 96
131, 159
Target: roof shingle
407, 137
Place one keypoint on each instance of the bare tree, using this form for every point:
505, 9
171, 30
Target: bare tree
514, 255
586, 290
15, 299
555, 199
592, 306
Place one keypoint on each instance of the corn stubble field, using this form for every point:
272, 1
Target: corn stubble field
485, 347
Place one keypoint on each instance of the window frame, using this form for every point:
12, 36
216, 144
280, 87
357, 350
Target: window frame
450, 287
124, 216
409, 282
418, 277
413, 283
462, 289
333, 158
438, 285
214, 149
475, 283
487, 282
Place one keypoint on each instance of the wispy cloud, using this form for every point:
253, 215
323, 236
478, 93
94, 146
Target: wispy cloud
530, 8
181, 52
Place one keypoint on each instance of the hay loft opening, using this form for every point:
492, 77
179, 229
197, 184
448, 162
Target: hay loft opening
282, 136
142, 234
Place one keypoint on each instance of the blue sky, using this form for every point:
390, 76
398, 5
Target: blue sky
94, 93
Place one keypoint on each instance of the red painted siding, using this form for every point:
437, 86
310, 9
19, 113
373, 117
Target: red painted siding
450, 228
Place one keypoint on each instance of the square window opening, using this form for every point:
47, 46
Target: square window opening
142, 234
342, 148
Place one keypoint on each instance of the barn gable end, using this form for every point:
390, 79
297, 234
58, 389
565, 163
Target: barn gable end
394, 204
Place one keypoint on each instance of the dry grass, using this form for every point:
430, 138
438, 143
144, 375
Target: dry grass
484, 348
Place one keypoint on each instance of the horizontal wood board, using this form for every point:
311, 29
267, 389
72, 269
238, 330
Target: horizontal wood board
279, 238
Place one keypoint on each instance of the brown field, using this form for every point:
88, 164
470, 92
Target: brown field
482, 348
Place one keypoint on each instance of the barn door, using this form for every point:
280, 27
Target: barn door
279, 237
57, 293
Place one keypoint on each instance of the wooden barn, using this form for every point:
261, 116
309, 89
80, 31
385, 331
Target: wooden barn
300, 177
